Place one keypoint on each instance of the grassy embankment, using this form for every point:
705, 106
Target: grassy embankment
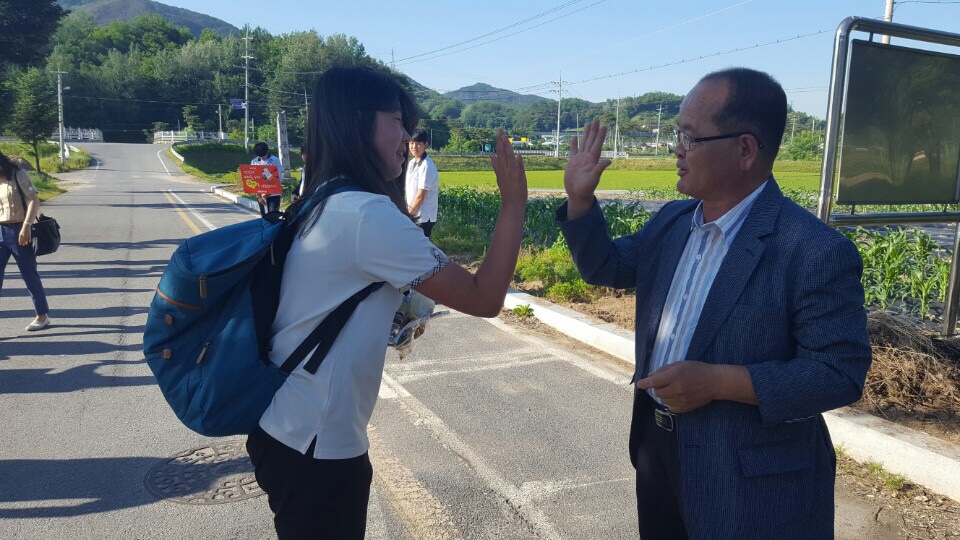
49, 162
220, 164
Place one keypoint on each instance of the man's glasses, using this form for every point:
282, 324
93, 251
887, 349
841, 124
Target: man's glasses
686, 142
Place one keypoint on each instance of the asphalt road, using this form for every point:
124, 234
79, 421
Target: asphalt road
485, 431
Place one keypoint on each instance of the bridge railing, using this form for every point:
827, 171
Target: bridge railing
78, 134
170, 137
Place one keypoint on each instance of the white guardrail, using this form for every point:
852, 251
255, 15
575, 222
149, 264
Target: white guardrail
169, 137
78, 134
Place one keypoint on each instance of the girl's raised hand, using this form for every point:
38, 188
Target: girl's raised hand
511, 177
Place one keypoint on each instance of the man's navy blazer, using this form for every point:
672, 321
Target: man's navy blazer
787, 303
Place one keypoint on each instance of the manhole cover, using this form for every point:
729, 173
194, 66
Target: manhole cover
214, 474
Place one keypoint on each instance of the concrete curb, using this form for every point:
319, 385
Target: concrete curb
925, 460
249, 204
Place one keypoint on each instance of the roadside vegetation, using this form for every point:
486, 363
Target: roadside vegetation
49, 162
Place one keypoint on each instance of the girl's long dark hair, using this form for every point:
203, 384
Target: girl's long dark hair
340, 132
8, 169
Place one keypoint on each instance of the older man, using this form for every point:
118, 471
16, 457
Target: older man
750, 323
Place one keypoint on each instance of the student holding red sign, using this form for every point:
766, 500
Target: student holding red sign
269, 200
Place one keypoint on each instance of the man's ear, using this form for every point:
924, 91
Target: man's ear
750, 151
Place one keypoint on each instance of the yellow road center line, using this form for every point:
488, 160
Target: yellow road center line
183, 215
422, 515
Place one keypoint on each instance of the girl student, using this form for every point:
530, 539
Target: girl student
19, 206
310, 449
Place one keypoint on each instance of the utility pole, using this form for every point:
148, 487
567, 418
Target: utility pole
616, 129
888, 17
246, 91
793, 127
392, 64
220, 117
656, 145
60, 108
556, 152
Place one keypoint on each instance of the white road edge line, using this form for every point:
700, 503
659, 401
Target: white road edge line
546, 347
513, 495
196, 214
161, 161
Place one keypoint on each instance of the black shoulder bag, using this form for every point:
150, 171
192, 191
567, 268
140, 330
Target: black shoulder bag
45, 232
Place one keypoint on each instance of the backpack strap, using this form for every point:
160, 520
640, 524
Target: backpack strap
325, 334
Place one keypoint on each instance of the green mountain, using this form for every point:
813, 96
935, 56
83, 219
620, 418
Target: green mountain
105, 11
469, 95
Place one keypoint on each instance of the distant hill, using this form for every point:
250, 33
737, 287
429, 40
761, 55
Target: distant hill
469, 95
105, 11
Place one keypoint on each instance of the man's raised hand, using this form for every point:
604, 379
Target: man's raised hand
582, 174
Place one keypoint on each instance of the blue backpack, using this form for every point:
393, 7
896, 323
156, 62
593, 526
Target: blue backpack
208, 331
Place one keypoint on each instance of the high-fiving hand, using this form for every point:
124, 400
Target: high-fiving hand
582, 175
511, 176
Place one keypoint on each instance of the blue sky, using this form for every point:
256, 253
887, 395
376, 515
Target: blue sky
589, 40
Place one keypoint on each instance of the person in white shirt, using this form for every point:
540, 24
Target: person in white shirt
423, 183
310, 449
270, 203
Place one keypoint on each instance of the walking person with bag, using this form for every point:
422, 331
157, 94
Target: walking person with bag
310, 449
19, 206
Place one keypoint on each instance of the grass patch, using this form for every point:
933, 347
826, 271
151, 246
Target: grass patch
49, 157
46, 184
456, 235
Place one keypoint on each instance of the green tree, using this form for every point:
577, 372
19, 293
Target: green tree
804, 146
25, 30
34, 110
460, 144
190, 117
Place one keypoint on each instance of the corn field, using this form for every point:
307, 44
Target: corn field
901, 267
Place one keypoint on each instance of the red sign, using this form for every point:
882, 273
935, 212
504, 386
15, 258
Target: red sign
260, 179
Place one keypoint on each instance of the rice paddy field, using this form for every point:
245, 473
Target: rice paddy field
613, 179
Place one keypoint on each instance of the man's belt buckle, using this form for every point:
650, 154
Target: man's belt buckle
664, 419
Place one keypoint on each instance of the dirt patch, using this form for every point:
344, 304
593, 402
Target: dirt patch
912, 510
915, 377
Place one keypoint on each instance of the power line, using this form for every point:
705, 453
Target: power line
701, 57
648, 34
497, 31
506, 36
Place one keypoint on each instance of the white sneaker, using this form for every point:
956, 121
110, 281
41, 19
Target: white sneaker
38, 325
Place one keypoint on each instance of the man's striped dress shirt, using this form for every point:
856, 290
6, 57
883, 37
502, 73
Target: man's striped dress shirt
706, 248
